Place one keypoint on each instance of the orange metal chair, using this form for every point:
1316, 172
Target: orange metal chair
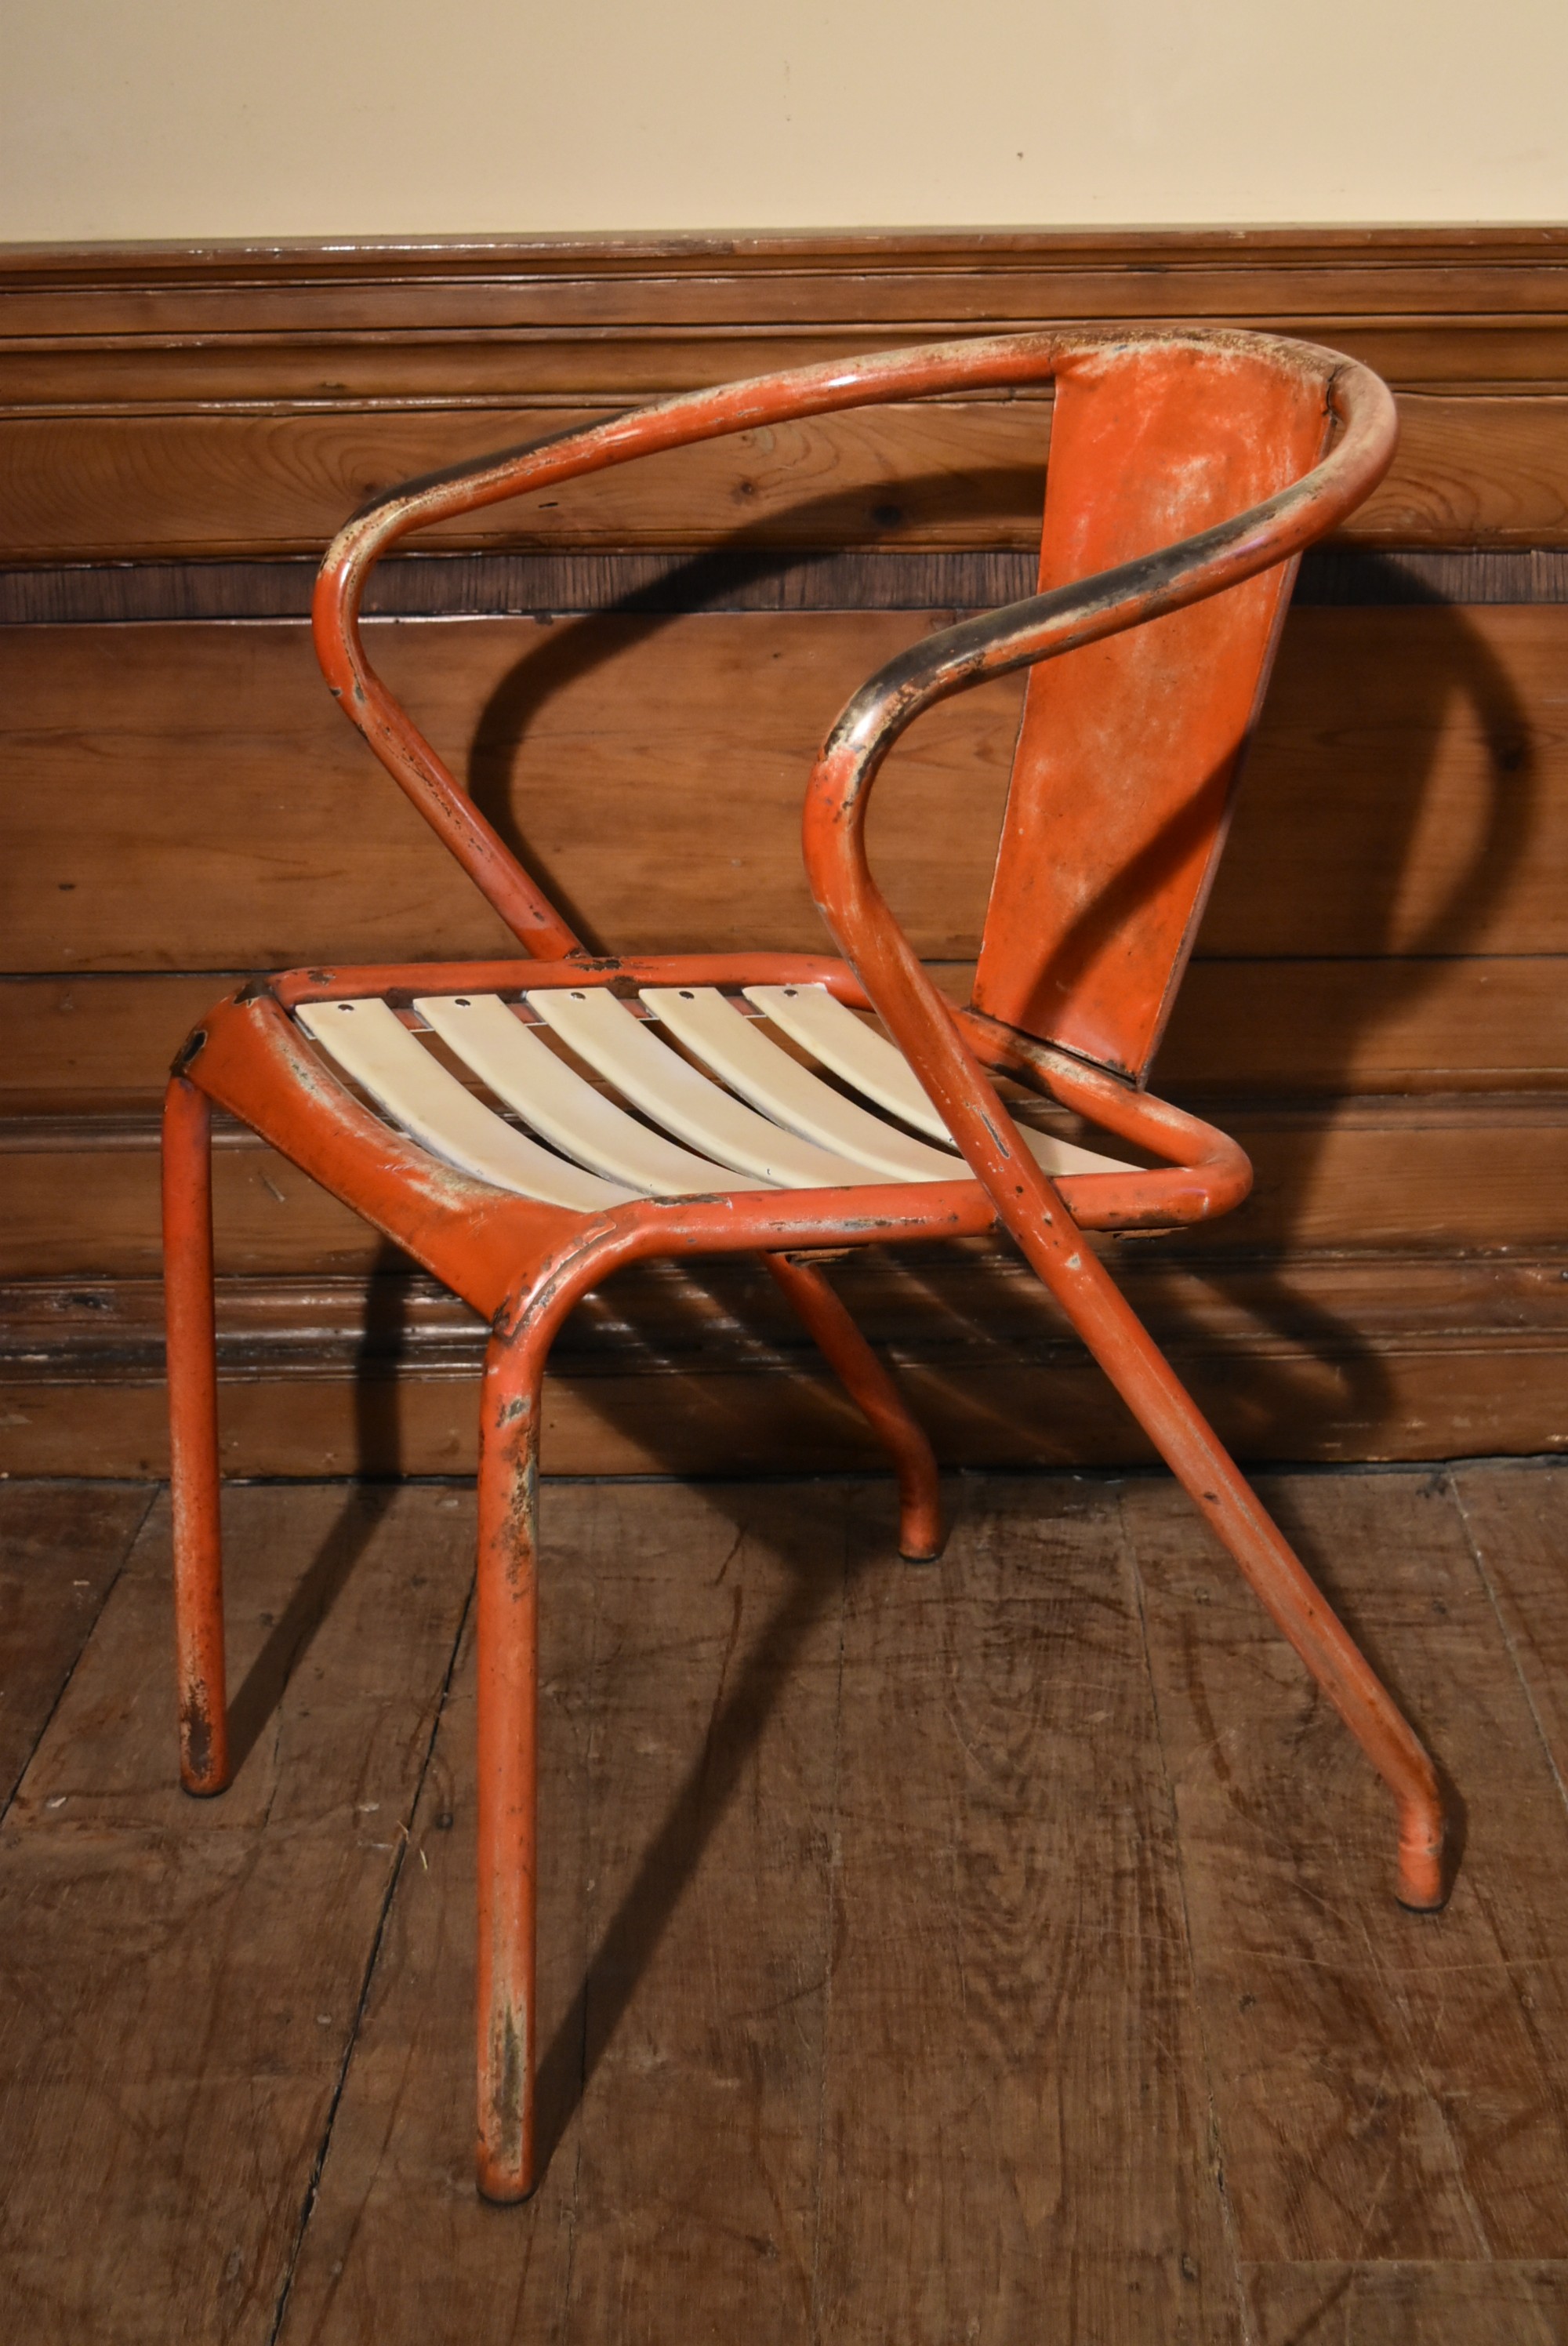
1187, 471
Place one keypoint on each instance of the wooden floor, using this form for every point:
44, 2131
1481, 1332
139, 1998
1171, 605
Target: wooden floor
1002, 1951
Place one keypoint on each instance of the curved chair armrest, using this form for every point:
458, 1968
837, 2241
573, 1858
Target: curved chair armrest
994, 362
489, 480
927, 1029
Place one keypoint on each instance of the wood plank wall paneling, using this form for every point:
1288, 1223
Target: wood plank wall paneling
1376, 1005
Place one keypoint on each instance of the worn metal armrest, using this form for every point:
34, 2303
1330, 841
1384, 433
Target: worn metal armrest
991, 361
931, 1033
489, 480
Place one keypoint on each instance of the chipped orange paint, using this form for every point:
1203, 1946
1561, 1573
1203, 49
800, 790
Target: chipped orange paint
1187, 473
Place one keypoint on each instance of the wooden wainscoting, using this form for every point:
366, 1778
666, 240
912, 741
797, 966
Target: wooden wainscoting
1376, 1008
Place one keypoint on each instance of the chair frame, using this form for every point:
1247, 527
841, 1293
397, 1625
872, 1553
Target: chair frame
524, 1265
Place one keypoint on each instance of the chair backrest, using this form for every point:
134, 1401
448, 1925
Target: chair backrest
1130, 748
1179, 462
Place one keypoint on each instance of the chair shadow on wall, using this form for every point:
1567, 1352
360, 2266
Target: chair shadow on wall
1337, 1375
727, 1316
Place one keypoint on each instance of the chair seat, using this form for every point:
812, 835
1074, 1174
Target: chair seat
701, 1097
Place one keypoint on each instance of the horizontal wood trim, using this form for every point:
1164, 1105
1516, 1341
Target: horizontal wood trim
1473, 472
765, 578
258, 478
1378, 1024
1374, 1007
214, 481
955, 1307
1473, 1398
243, 401
101, 1044
1457, 255
187, 796
1427, 1173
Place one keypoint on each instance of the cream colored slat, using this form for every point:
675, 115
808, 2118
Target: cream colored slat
821, 1024
749, 1063
370, 1043
556, 1102
673, 1092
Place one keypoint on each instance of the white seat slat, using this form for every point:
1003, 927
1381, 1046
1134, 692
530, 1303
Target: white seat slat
370, 1043
749, 1063
678, 1095
567, 1109
821, 1025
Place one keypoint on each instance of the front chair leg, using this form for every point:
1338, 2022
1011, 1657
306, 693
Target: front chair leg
193, 1438
507, 1632
868, 1383
1185, 1439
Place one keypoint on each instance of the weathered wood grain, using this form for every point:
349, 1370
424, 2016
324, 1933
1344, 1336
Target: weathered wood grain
329, 359
1343, 1025
61, 1547
1470, 472
1000, 2099
183, 1979
92, 486
183, 797
1298, 1366
101, 1043
153, 484
1403, 796
134, 853
187, 797
1008, 2154
692, 1689
1403, 2304
1519, 1533
714, 1772
1439, 1173
1385, 2085
1326, 1358
398, 2244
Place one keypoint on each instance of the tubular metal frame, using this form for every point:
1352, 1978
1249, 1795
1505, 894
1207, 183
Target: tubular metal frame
524, 1265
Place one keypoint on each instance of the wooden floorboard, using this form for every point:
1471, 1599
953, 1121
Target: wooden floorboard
998, 1951
183, 1979
399, 2245
1518, 1531
1386, 2083
1016, 2124
61, 1546
1401, 2304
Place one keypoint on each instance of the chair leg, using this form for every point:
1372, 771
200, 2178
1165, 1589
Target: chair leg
193, 1438
508, 1716
868, 1381
1172, 1420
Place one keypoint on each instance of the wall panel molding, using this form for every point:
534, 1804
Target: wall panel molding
1377, 1006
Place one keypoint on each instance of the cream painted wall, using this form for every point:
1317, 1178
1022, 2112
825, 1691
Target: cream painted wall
192, 118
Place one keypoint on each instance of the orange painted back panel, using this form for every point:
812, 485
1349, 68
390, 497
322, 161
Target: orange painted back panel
1130, 748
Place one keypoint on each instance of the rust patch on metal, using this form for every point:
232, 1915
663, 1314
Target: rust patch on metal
507, 2070
195, 1737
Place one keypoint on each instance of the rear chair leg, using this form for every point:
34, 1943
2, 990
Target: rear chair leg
193, 1438
867, 1382
1189, 1445
507, 1632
